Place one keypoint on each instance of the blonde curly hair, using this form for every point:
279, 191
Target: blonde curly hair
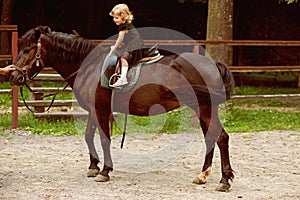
123, 11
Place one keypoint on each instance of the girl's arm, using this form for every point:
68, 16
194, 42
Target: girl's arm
119, 41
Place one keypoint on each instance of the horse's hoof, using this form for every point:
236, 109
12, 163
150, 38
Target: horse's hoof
197, 180
223, 187
101, 178
92, 172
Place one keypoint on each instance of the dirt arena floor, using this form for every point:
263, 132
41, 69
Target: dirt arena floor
160, 166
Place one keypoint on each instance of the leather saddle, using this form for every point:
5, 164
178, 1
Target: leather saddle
112, 72
150, 53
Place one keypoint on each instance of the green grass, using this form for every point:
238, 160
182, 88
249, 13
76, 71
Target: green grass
40, 126
5, 100
236, 120
172, 122
241, 120
247, 90
244, 90
270, 76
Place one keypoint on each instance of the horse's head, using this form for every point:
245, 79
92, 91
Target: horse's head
30, 59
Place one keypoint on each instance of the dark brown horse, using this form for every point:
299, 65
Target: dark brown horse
184, 79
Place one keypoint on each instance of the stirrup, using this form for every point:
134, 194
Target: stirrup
110, 79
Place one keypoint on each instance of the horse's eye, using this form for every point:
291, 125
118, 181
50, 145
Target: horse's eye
26, 50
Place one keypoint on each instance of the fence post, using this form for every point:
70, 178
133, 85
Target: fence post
196, 49
14, 46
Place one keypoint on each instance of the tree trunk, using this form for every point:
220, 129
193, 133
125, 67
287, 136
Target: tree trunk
219, 27
5, 37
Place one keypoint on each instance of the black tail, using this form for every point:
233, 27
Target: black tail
227, 78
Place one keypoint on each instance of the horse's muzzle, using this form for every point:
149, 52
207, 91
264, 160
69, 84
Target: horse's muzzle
17, 78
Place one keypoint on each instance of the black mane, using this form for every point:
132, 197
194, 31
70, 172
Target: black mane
70, 47
66, 44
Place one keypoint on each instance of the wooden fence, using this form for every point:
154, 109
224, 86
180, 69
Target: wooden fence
195, 48
13, 29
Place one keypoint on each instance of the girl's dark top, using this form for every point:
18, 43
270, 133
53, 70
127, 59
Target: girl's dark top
133, 44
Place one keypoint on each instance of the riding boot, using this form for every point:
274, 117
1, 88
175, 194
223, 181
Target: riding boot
123, 79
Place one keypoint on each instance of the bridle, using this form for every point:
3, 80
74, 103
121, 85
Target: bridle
37, 61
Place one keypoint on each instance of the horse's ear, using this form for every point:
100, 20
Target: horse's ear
76, 33
37, 32
41, 30
47, 29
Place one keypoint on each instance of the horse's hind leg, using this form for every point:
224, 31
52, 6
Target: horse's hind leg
213, 132
204, 117
89, 138
227, 172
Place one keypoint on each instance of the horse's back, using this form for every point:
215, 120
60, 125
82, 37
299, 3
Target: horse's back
198, 68
186, 78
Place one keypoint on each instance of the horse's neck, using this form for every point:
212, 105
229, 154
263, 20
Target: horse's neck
67, 62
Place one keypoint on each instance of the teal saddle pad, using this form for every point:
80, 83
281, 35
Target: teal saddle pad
133, 74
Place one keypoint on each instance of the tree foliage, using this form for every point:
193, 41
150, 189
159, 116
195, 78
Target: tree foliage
288, 1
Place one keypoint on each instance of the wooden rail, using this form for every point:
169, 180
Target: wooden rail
13, 29
51, 90
46, 103
287, 43
280, 97
5, 91
74, 115
241, 69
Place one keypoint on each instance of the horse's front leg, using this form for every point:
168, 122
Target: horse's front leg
89, 138
103, 121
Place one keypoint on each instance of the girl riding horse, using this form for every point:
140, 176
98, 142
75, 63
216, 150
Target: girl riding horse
129, 44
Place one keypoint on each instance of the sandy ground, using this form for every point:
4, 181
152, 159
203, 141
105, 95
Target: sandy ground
32, 167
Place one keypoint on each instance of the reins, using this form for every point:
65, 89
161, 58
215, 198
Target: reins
58, 90
44, 96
